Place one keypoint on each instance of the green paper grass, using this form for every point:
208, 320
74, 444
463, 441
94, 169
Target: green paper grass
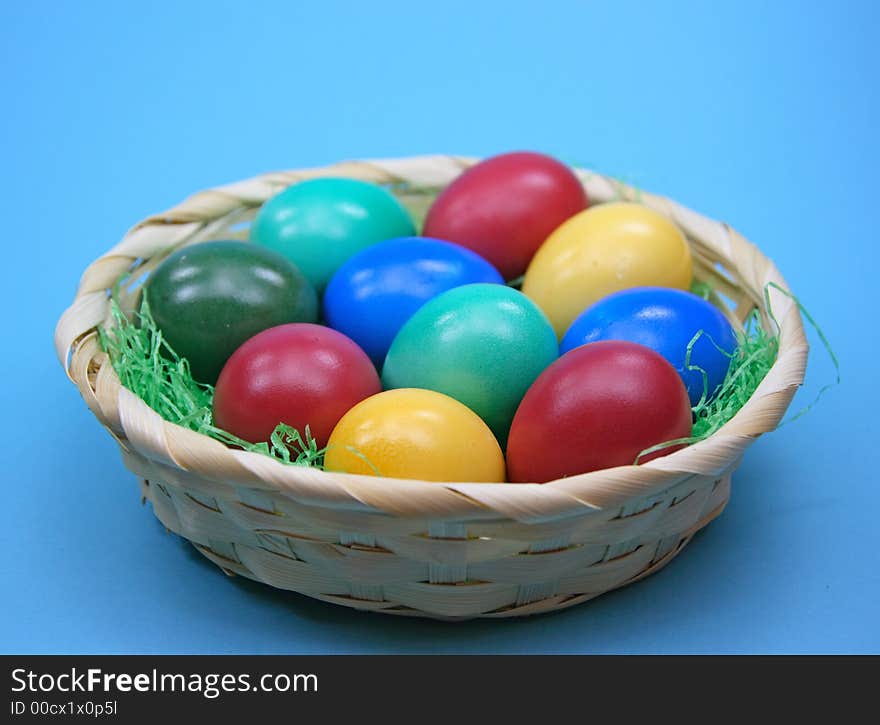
754, 356
149, 367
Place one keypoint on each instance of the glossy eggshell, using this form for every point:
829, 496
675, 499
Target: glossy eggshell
482, 344
598, 406
376, 291
318, 224
608, 247
300, 374
666, 320
207, 299
505, 206
417, 434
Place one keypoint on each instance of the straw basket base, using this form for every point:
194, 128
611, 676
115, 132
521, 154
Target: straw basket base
299, 563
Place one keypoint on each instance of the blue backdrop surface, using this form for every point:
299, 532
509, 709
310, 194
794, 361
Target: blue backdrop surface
761, 114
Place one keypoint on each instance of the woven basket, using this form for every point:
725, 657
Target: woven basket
443, 550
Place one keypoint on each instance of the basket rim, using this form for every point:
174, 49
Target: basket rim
141, 431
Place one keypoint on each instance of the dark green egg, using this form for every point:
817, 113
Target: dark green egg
209, 298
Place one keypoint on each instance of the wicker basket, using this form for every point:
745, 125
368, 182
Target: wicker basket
443, 550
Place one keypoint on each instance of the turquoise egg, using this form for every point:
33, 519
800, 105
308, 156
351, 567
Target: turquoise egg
482, 344
320, 223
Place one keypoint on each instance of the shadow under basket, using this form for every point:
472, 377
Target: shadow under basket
442, 550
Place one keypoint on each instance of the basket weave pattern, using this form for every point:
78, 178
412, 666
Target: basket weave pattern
444, 550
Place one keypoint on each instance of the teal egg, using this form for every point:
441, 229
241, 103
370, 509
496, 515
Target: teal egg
482, 344
318, 224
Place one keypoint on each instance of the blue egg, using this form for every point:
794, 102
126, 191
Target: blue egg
376, 291
666, 320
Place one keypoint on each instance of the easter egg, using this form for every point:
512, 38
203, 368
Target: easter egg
666, 320
482, 344
298, 374
505, 206
319, 223
598, 406
379, 288
608, 247
419, 434
207, 299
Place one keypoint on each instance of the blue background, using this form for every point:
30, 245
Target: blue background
762, 114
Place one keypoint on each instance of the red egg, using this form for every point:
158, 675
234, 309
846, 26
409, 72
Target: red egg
299, 374
504, 207
597, 406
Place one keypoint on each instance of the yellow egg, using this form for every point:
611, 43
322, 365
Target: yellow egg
606, 248
414, 433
